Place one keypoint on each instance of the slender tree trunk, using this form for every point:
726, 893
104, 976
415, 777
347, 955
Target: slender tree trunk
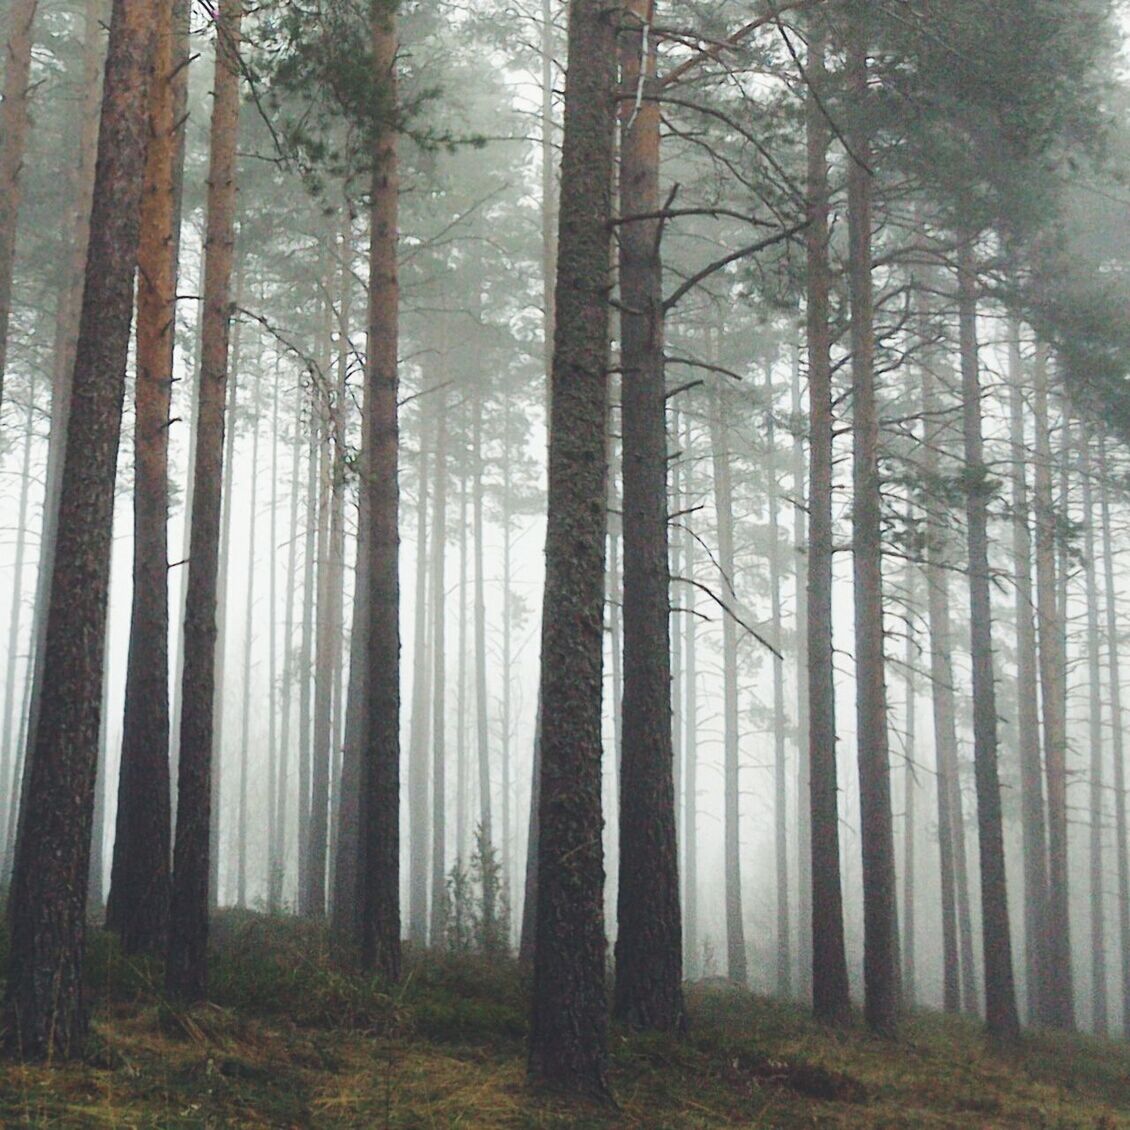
439, 677
1100, 1008
731, 832
186, 967
462, 801
1000, 992
482, 717
43, 1009
649, 958
1114, 674
910, 791
780, 764
421, 719
690, 722
273, 702
1027, 704
830, 995
880, 915
306, 666
14, 122
568, 1036
248, 639
138, 907
1057, 995
380, 776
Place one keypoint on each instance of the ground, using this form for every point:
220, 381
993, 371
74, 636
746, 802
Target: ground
292, 1041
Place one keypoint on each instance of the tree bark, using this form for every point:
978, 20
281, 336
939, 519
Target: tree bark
568, 1036
439, 677
380, 770
880, 915
1000, 992
186, 967
649, 959
43, 1007
690, 740
138, 906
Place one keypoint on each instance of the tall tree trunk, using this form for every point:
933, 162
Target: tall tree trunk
649, 943
186, 968
43, 1006
1057, 995
273, 701
138, 906
1000, 992
241, 838
690, 722
306, 663
568, 1034
380, 777
1027, 704
1100, 1009
462, 800
1122, 854
780, 764
830, 994
880, 915
418, 748
439, 677
14, 122
482, 716
731, 832
910, 791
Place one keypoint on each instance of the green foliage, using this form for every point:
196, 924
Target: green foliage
478, 911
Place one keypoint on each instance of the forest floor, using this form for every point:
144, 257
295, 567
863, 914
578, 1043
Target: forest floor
291, 1041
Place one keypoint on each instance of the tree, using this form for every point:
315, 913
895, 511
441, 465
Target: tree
43, 1003
186, 967
568, 1032
649, 959
138, 905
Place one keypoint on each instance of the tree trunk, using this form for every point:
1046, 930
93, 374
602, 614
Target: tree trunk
43, 1006
649, 957
306, 663
186, 967
1000, 992
274, 704
880, 915
138, 906
1114, 674
910, 790
1057, 995
690, 722
830, 994
1027, 704
421, 719
568, 1035
1100, 1009
14, 122
439, 677
462, 801
380, 776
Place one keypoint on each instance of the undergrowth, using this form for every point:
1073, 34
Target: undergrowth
290, 1037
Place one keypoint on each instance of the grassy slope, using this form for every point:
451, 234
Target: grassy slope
290, 1041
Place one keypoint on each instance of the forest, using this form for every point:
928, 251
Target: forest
562, 562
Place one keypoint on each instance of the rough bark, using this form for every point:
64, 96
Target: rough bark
831, 1001
43, 1003
138, 906
186, 964
880, 920
568, 1037
380, 770
1001, 1016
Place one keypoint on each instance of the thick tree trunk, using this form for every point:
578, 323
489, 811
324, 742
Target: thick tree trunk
1122, 853
186, 968
830, 994
1057, 995
649, 958
14, 122
1100, 1008
138, 906
568, 1036
1000, 992
880, 915
380, 770
1027, 704
43, 1006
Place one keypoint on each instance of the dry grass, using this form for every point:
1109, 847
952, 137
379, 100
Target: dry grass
291, 1040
